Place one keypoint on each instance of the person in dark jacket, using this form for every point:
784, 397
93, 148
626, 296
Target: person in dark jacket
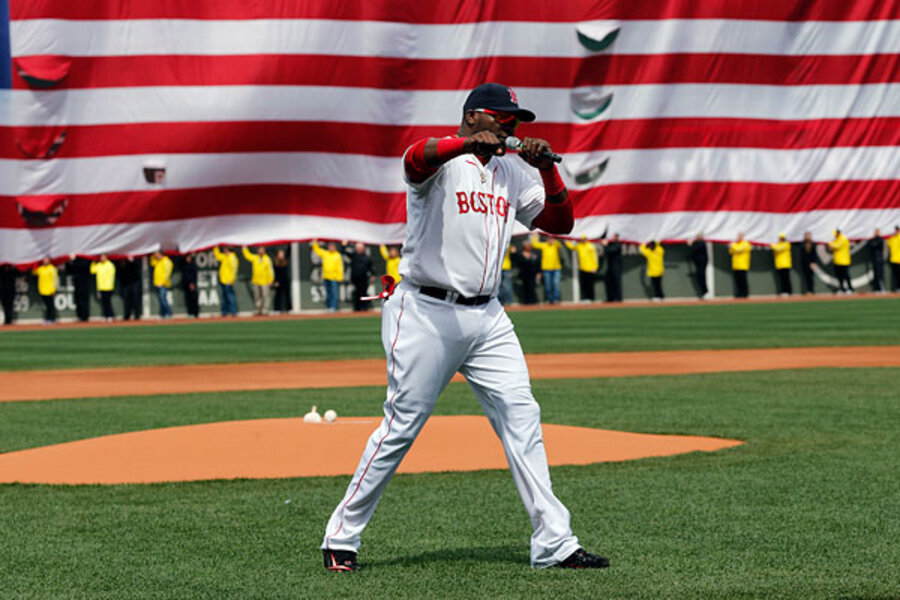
613, 277
80, 270
807, 260
189, 285
8, 275
700, 257
131, 285
361, 273
282, 283
876, 257
528, 262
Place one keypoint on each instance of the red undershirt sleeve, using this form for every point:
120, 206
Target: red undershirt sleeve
415, 165
556, 217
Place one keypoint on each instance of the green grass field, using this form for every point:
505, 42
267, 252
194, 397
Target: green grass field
807, 508
728, 325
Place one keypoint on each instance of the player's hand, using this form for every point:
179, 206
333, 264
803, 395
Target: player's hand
532, 150
484, 143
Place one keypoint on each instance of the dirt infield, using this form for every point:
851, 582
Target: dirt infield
275, 448
142, 381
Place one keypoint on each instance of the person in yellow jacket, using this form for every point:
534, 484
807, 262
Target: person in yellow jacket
162, 281
48, 282
740, 265
840, 250
262, 278
551, 266
105, 272
783, 263
228, 269
893, 243
505, 293
391, 258
656, 267
332, 272
588, 263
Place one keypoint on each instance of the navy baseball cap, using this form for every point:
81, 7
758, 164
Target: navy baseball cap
497, 97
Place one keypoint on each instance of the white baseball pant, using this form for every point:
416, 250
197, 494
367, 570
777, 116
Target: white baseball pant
426, 342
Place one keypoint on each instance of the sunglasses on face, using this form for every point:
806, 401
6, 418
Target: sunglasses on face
504, 119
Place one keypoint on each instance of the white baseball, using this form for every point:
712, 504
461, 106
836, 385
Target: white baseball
330, 416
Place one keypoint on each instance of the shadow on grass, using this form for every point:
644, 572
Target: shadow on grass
508, 555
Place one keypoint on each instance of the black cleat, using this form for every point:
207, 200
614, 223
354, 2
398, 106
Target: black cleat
580, 559
340, 560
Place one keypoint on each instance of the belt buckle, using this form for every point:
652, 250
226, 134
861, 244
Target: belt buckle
451, 297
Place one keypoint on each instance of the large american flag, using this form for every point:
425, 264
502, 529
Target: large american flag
281, 120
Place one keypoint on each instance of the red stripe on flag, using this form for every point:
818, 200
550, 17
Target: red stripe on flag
723, 133
392, 140
415, 11
736, 197
165, 205
406, 74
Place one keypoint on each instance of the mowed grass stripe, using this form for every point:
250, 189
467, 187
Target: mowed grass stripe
702, 326
805, 509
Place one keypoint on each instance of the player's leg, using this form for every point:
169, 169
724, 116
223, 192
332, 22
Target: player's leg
497, 372
422, 343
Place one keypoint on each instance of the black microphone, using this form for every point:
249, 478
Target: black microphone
514, 143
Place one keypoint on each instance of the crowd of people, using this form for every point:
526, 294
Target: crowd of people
102, 277
536, 264
782, 262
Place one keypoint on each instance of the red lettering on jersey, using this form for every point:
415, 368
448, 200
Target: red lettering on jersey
484, 206
473, 203
462, 201
481, 202
502, 206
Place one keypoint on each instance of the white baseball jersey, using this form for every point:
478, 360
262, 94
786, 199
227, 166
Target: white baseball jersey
460, 220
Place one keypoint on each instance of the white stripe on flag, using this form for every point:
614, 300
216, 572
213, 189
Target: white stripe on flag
724, 226
383, 174
23, 245
460, 41
377, 106
184, 171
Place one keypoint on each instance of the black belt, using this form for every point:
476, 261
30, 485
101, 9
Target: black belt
442, 294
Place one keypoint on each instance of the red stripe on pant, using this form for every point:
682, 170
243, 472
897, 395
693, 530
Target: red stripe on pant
390, 422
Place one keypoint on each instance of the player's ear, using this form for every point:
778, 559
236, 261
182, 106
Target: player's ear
469, 118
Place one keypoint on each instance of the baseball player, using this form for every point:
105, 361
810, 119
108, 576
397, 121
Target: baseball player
464, 195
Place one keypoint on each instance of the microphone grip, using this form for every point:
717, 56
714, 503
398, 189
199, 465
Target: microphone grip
552, 156
513, 143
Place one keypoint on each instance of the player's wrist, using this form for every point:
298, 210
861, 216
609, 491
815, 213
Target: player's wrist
553, 183
448, 148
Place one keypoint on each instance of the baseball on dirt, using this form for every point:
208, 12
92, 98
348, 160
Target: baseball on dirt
330, 416
312, 416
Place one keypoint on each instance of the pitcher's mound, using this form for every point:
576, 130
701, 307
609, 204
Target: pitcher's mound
276, 448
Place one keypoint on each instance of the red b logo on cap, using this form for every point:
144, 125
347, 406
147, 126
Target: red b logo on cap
512, 96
